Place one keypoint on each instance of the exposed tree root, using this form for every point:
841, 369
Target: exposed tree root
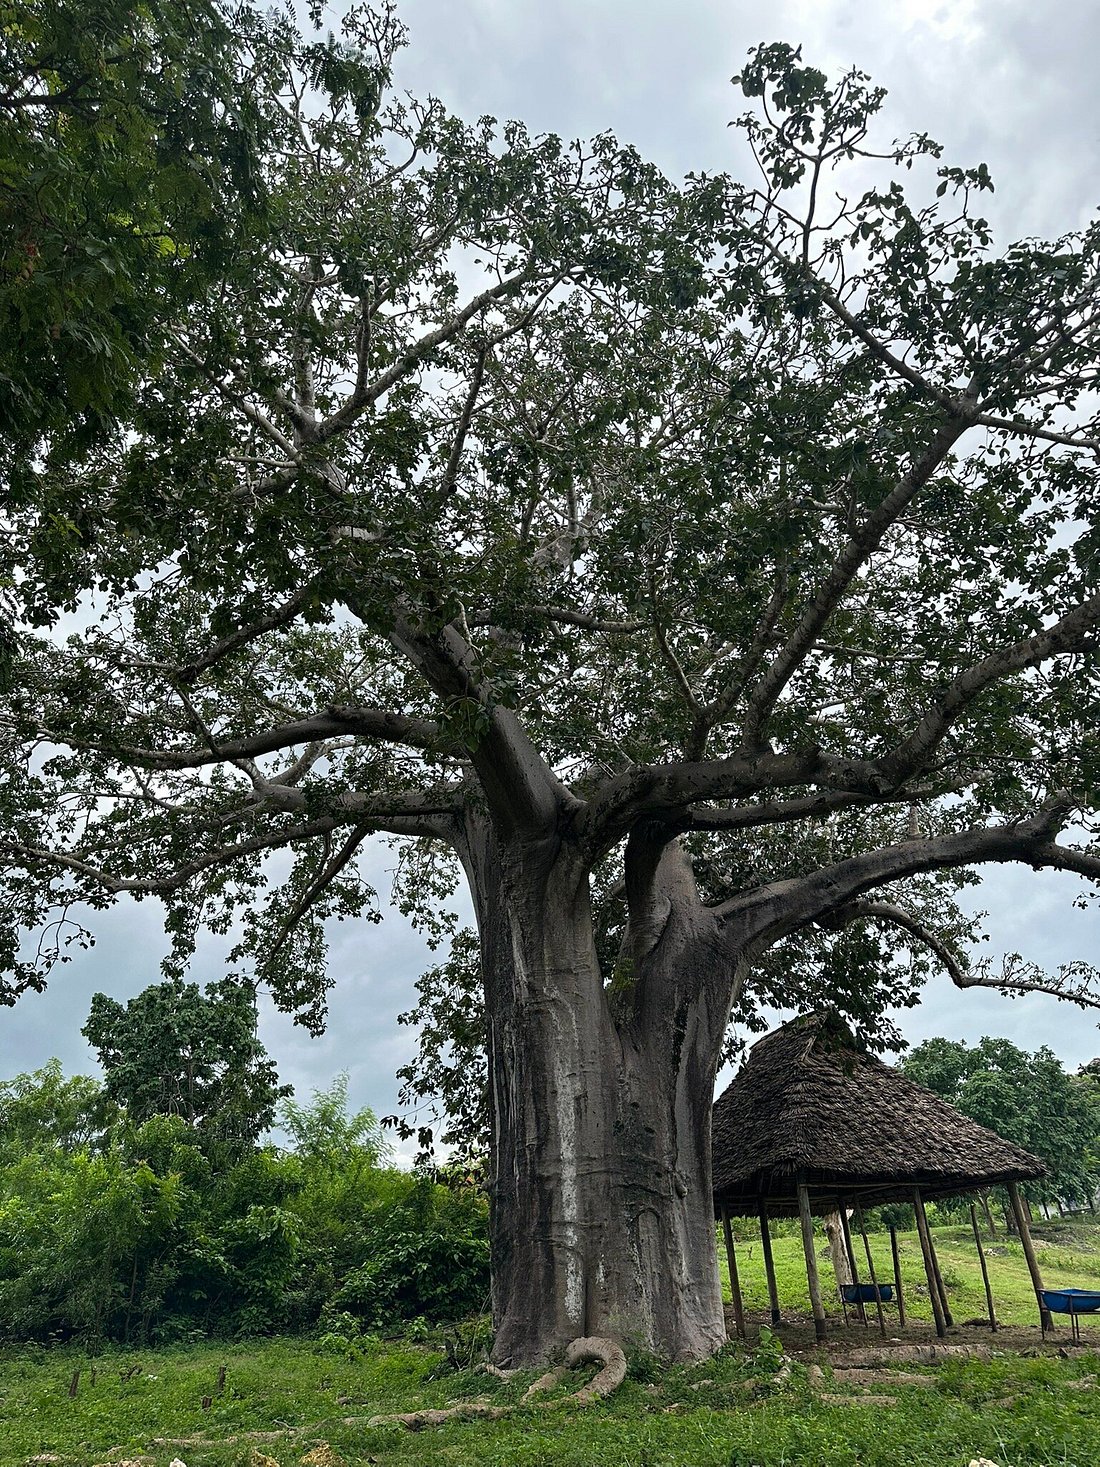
495, 1370
888, 1378
609, 1354
865, 1400
418, 1420
911, 1354
545, 1383
606, 1352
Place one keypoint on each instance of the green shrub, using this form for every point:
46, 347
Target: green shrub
140, 1237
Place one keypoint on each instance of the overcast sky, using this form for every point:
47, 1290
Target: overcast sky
1011, 84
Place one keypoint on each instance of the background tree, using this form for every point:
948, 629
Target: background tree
707, 575
135, 1235
1026, 1098
176, 1050
49, 1109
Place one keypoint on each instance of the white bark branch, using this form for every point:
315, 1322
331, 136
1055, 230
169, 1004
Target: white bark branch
360, 400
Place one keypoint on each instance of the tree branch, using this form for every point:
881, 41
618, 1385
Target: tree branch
425, 820
454, 458
662, 791
560, 614
809, 807
1066, 635
317, 887
770, 912
523, 793
361, 399
284, 613
1073, 982
863, 543
890, 912
1031, 430
375, 723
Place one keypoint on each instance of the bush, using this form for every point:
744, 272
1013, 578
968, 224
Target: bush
139, 1238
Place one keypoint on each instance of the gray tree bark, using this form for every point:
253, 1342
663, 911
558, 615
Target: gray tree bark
601, 1205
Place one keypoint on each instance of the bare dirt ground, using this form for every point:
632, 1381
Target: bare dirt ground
796, 1333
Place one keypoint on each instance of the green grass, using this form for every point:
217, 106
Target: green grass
727, 1412
1068, 1252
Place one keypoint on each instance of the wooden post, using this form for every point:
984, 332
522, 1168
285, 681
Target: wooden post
929, 1270
846, 1230
985, 1270
944, 1305
807, 1220
897, 1276
769, 1264
1020, 1215
735, 1282
871, 1268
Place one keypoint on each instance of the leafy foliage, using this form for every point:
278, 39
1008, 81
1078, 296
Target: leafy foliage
175, 1050
48, 1109
1027, 1098
127, 140
136, 1236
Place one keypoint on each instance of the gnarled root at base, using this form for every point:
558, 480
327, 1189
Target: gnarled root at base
610, 1356
606, 1352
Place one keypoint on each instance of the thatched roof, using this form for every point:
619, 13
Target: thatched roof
811, 1105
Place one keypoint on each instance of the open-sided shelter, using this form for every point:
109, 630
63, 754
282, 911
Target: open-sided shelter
814, 1124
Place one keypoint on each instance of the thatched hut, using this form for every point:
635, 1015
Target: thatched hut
814, 1124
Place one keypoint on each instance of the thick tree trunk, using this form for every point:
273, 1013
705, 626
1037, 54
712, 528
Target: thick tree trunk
603, 1222
601, 1207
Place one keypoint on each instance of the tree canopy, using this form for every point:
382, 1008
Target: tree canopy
708, 570
175, 1050
127, 170
1027, 1098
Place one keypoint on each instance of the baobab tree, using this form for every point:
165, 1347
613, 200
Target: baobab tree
700, 569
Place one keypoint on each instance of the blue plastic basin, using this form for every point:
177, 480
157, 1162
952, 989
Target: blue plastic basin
1072, 1301
865, 1293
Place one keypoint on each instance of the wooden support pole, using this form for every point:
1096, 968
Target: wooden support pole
807, 1220
929, 1269
985, 1270
897, 1276
846, 1230
735, 1282
769, 1263
944, 1305
1020, 1215
871, 1268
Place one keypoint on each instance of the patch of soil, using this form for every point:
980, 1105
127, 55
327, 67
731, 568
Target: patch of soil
796, 1334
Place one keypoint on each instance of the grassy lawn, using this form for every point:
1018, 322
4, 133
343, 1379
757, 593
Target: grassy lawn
284, 1397
728, 1412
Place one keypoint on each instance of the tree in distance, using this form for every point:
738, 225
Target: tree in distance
706, 572
1027, 1098
175, 1050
